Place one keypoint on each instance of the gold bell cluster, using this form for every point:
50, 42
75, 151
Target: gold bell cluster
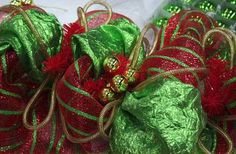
120, 82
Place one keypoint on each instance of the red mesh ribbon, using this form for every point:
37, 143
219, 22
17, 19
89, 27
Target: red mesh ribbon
77, 94
98, 17
50, 138
180, 46
219, 98
79, 108
12, 105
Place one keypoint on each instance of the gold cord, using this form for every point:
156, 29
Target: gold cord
166, 74
229, 36
103, 3
86, 139
223, 134
113, 105
33, 101
81, 12
136, 50
81, 15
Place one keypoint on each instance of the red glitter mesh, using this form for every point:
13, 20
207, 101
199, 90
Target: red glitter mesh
184, 20
80, 102
179, 33
98, 18
45, 134
13, 68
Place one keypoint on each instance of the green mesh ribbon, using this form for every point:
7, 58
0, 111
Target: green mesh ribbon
165, 117
119, 37
16, 34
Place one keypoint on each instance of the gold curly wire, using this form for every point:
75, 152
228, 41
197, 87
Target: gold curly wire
82, 16
147, 46
166, 74
222, 133
103, 3
136, 50
229, 36
112, 105
33, 100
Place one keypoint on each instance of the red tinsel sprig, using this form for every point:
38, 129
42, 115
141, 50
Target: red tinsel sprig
64, 58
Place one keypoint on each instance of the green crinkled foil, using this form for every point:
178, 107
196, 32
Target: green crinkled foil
129, 136
15, 33
119, 37
167, 114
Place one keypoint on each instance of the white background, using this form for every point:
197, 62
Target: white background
140, 11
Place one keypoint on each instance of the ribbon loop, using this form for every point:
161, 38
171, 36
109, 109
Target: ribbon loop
102, 128
32, 102
103, 3
113, 105
221, 132
136, 50
229, 36
81, 12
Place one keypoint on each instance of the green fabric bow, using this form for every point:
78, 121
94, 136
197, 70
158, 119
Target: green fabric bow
118, 37
15, 34
164, 117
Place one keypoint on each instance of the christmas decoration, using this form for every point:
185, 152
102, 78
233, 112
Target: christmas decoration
98, 85
216, 94
221, 83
